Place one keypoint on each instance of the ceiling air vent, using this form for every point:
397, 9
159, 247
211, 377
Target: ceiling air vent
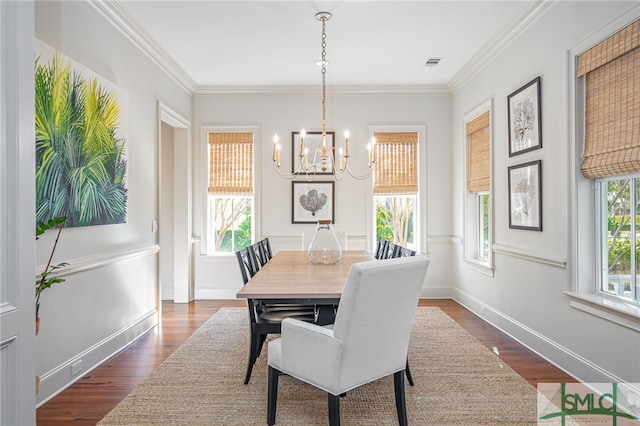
432, 62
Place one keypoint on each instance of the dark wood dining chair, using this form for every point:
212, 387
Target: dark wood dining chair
265, 319
391, 250
404, 252
260, 254
248, 263
266, 246
381, 248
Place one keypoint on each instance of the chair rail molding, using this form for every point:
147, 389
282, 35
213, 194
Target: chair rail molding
526, 254
93, 262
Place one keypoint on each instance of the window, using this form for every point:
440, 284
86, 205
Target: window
483, 226
611, 158
478, 173
230, 202
395, 187
619, 232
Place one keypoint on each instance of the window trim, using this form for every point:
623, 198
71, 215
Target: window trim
471, 208
581, 292
201, 203
420, 230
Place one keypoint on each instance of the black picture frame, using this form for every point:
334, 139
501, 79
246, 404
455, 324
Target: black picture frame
525, 196
525, 118
302, 209
312, 141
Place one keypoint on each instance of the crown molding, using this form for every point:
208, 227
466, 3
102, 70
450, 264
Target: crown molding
124, 22
434, 89
529, 13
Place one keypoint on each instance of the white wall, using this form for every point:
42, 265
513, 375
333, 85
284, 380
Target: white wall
110, 296
525, 297
219, 276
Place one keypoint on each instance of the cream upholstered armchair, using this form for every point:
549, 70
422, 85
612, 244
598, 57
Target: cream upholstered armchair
369, 339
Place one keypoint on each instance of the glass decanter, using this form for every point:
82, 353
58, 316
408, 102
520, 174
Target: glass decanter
324, 248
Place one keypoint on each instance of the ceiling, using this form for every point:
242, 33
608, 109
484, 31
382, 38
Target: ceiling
267, 44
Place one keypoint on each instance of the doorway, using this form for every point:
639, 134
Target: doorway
174, 226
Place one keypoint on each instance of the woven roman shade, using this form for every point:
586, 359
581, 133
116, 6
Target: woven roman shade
231, 164
479, 153
612, 104
396, 169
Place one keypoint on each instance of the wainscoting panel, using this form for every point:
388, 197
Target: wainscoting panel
570, 362
105, 304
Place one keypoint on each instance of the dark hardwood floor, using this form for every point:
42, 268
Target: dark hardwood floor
89, 399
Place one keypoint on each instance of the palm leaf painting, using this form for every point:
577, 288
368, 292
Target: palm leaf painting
80, 166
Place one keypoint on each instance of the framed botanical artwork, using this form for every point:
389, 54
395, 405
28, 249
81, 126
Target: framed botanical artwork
525, 196
312, 144
524, 111
312, 201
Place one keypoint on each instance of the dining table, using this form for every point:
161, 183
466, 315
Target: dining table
290, 277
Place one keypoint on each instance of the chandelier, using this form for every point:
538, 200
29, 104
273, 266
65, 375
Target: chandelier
319, 158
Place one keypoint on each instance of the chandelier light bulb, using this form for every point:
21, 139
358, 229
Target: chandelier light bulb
275, 147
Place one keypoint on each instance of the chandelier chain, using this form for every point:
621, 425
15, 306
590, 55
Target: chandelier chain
324, 78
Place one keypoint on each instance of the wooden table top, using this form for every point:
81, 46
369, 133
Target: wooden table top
290, 275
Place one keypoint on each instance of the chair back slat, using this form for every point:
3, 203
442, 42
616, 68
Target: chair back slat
391, 250
381, 248
266, 247
259, 254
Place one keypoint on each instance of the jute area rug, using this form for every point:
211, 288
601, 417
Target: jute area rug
457, 382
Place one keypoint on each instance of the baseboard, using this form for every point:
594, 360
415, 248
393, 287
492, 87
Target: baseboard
58, 379
215, 293
566, 360
230, 294
437, 293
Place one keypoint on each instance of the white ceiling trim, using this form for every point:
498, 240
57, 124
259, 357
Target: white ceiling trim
122, 20
332, 90
523, 19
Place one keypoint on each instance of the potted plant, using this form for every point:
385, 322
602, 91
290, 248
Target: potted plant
46, 280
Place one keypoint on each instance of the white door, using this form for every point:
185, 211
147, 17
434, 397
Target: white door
17, 214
